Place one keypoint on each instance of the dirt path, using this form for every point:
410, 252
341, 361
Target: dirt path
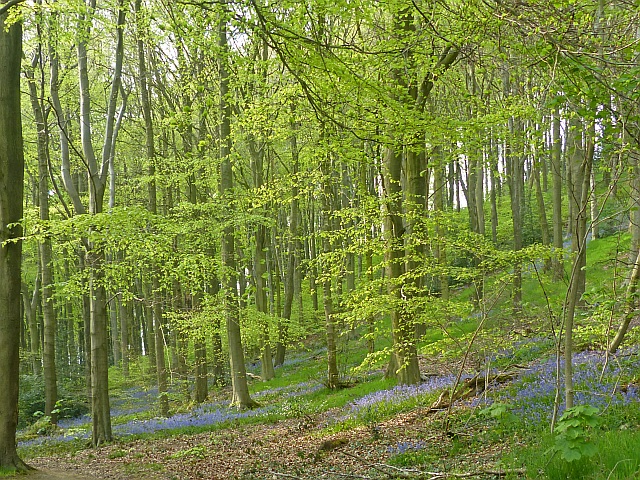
49, 475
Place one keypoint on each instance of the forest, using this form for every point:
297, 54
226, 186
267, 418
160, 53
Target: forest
319, 239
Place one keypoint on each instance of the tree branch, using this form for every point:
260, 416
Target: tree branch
5, 8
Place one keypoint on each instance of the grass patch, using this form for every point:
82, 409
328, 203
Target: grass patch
617, 457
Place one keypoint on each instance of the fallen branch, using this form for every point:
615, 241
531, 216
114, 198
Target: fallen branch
481, 473
471, 387
286, 475
396, 472
380, 467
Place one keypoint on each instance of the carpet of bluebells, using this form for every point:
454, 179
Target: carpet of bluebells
598, 381
137, 401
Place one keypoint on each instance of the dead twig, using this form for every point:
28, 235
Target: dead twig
380, 467
481, 473
286, 475
395, 472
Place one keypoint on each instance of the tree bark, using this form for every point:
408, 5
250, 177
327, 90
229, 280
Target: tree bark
124, 312
45, 251
293, 252
404, 365
11, 211
578, 188
240, 395
259, 267
542, 214
333, 380
31, 310
556, 177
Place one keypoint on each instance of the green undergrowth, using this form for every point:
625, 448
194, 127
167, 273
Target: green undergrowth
609, 450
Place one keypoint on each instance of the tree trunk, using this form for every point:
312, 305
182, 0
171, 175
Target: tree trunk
556, 177
149, 332
542, 215
11, 211
479, 191
124, 311
634, 220
493, 194
515, 180
259, 267
159, 341
440, 246
404, 365
293, 253
45, 250
218, 357
100, 408
31, 312
313, 271
333, 380
113, 328
240, 396
580, 168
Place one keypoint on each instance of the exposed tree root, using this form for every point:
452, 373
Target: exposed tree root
15, 464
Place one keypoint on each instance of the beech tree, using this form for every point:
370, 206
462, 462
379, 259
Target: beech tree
11, 210
241, 396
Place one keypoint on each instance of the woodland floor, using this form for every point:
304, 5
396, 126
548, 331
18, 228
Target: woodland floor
285, 449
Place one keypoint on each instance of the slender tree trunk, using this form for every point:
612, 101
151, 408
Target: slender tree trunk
542, 214
556, 181
241, 397
259, 266
200, 352
479, 191
333, 380
31, 312
634, 215
150, 349
45, 250
345, 202
218, 357
515, 179
293, 253
124, 312
113, 328
493, 193
580, 167
440, 247
313, 271
159, 341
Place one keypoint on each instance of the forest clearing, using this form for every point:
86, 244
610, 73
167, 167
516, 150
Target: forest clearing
319, 239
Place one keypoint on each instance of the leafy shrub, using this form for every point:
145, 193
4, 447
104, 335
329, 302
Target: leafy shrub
70, 404
572, 433
31, 399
